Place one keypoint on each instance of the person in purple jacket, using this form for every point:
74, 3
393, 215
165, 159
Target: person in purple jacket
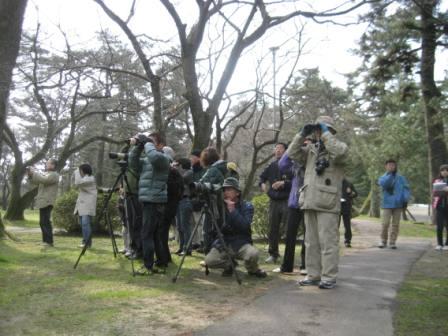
295, 215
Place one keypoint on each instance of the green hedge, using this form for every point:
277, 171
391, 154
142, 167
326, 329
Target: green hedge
64, 218
261, 215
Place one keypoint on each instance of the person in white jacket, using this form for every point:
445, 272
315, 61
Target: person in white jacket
86, 203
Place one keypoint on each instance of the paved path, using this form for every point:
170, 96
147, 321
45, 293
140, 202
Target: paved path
361, 304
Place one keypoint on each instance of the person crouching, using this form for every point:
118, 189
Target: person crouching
237, 233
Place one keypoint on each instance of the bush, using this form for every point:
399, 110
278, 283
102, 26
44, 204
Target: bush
260, 223
64, 218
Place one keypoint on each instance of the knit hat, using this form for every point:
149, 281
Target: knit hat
326, 120
232, 166
231, 182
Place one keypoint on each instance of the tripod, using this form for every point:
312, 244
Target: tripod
121, 180
210, 212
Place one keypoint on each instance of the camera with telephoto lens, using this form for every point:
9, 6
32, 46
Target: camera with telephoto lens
203, 189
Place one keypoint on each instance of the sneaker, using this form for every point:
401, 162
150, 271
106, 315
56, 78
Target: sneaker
122, 251
439, 247
271, 260
327, 284
47, 245
393, 246
303, 271
277, 270
445, 248
185, 253
348, 245
144, 271
81, 245
382, 245
309, 282
202, 263
259, 273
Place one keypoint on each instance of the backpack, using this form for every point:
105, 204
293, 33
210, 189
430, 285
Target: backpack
175, 186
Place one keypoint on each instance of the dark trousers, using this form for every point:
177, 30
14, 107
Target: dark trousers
45, 224
152, 219
346, 215
278, 212
162, 235
134, 209
442, 222
184, 214
295, 220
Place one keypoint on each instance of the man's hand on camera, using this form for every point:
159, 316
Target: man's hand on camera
230, 205
323, 127
278, 185
307, 130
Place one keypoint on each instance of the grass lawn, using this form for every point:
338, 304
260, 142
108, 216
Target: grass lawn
41, 293
408, 228
422, 301
31, 220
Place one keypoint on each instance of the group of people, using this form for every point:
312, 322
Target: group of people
305, 183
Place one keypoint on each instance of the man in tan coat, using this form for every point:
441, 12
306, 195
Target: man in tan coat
46, 195
320, 196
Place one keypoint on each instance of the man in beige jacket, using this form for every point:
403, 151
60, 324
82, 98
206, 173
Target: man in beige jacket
320, 196
46, 195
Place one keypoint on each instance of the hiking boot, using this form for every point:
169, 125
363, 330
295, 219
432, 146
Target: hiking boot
393, 246
382, 245
327, 284
228, 272
303, 271
439, 248
308, 282
259, 273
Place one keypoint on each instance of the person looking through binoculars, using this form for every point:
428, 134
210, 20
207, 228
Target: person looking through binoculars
152, 165
236, 232
323, 159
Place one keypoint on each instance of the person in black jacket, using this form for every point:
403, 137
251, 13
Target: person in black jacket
277, 187
237, 233
348, 194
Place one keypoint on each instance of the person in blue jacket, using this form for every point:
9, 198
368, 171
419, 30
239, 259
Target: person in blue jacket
396, 195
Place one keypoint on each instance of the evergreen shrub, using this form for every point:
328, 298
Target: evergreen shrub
64, 218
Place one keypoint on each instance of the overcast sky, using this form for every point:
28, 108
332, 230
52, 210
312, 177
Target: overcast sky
328, 46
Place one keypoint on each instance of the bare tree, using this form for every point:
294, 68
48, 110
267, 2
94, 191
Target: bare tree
11, 19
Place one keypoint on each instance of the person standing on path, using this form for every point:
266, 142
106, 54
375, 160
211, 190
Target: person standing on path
440, 206
324, 159
277, 186
86, 203
348, 194
46, 195
396, 195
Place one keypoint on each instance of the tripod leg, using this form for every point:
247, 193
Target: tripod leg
190, 241
83, 251
126, 221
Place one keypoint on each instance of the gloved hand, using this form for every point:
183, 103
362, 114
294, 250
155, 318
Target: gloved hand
307, 130
323, 127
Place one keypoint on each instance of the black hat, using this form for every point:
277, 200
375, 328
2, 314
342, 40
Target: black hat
196, 152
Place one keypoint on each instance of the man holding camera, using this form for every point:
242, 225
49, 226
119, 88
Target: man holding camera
152, 165
320, 196
396, 195
46, 195
237, 233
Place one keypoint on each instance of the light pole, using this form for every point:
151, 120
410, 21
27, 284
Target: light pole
274, 50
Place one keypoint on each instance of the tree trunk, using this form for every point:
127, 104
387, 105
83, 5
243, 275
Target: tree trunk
17, 202
11, 18
437, 153
374, 200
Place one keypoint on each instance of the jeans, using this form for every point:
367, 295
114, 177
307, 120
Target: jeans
86, 228
45, 224
295, 219
184, 213
152, 219
442, 222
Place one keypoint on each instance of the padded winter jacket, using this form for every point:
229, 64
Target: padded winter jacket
47, 188
216, 173
152, 166
395, 191
86, 202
